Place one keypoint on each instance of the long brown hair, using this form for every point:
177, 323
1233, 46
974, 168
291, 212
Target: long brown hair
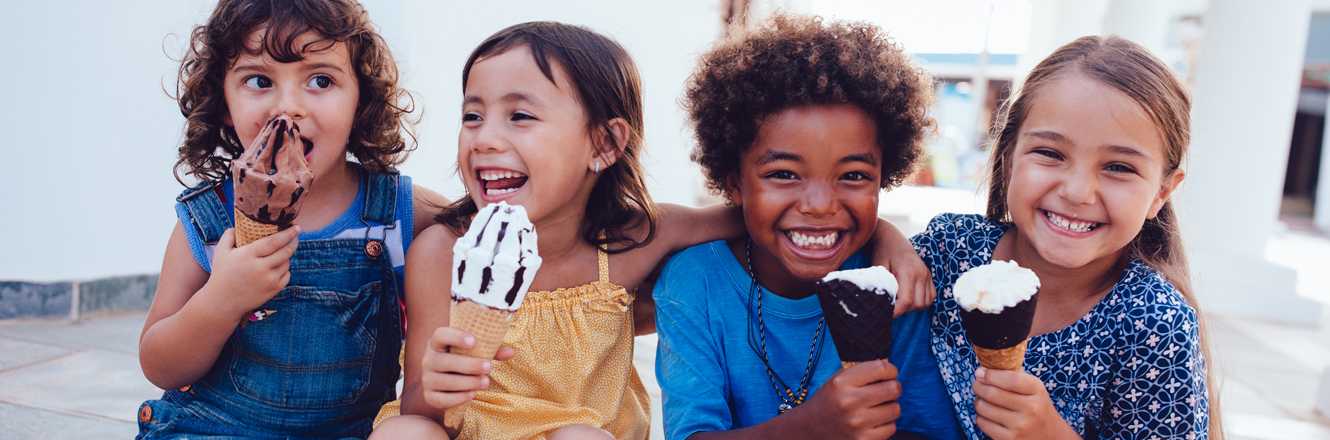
376, 138
608, 87
1131, 69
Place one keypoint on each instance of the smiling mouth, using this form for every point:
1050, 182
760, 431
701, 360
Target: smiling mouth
500, 182
814, 240
1069, 224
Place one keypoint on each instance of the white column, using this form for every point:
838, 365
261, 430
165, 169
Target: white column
1142, 21
1321, 217
1246, 89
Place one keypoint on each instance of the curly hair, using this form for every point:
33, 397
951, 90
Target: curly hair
793, 60
376, 139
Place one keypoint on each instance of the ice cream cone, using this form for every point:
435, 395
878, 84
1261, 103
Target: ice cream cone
248, 230
1010, 358
488, 325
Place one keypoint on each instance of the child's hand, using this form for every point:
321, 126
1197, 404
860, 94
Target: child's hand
916, 282
251, 275
449, 379
1015, 405
855, 403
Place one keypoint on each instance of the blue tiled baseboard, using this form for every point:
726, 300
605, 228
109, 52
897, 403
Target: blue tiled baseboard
76, 299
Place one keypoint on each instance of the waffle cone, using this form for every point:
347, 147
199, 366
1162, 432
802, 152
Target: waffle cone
248, 230
489, 326
1012, 358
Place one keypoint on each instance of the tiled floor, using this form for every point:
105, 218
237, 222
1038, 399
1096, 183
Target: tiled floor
82, 380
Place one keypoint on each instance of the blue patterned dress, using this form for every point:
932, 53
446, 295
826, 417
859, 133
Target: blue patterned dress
1131, 368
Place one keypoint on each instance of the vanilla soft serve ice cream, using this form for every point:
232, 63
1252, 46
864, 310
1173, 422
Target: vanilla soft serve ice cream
995, 286
494, 263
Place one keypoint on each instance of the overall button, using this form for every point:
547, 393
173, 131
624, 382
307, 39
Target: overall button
374, 249
145, 414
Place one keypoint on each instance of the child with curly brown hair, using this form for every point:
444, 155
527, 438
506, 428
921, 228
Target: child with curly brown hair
800, 122
275, 338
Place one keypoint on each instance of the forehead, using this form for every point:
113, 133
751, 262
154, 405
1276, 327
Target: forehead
818, 132
258, 45
515, 71
1088, 113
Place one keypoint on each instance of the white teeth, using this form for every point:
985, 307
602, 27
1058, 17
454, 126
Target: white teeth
805, 241
1070, 225
499, 174
497, 192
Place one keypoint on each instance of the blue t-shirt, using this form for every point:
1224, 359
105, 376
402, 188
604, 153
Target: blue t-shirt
711, 378
1131, 368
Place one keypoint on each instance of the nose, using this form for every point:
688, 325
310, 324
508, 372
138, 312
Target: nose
290, 100
818, 200
1079, 186
486, 138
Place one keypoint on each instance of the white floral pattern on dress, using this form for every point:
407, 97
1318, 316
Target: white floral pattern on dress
1131, 368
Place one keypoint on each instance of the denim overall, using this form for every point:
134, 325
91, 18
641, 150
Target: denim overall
322, 362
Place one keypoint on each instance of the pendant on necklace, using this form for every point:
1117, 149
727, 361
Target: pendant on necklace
783, 408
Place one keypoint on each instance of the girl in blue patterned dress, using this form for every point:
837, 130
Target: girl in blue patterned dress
1081, 174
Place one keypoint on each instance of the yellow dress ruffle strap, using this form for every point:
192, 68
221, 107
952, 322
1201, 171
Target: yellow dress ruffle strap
574, 364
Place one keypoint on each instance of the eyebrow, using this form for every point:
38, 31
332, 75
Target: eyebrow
1118, 149
865, 158
511, 97
772, 156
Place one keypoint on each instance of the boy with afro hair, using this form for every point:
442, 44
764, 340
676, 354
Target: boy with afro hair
801, 122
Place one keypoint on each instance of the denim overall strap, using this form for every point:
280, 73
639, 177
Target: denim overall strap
319, 358
209, 214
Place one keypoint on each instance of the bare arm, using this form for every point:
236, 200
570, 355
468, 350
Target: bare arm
426, 203
194, 313
892, 250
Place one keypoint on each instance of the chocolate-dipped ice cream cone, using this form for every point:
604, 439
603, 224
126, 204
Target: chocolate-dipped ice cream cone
493, 265
270, 178
858, 305
997, 303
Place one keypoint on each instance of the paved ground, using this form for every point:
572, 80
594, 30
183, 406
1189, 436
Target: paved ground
82, 380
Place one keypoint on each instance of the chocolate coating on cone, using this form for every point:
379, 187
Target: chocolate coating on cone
860, 338
996, 331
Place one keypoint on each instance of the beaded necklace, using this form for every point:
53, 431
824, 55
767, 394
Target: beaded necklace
789, 398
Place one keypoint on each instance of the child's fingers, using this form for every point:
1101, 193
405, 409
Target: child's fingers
1018, 382
227, 242
455, 363
268, 245
866, 373
445, 337
449, 382
992, 428
504, 354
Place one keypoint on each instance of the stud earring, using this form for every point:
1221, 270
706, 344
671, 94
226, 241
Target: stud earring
596, 171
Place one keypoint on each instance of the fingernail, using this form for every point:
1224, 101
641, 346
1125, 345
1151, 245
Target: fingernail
486, 366
469, 341
981, 372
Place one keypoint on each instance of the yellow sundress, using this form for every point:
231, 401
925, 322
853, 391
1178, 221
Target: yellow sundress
574, 364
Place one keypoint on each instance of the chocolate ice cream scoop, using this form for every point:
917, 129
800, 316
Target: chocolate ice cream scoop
858, 306
271, 176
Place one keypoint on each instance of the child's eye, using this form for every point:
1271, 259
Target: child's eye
521, 116
781, 175
320, 82
258, 82
469, 117
1119, 168
1047, 153
855, 175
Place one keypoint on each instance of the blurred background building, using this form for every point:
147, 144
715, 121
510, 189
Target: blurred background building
88, 131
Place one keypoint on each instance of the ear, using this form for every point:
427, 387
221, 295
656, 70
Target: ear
733, 191
611, 147
1171, 183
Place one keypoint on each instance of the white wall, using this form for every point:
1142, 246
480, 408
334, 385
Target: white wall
88, 138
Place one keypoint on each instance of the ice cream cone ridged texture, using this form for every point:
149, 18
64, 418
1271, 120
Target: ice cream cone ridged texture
494, 263
858, 306
995, 286
271, 176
